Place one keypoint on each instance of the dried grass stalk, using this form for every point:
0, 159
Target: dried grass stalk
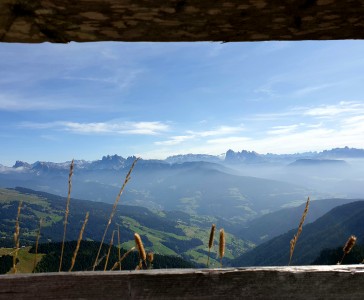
66, 213
119, 247
36, 244
118, 263
141, 250
140, 247
347, 248
127, 178
99, 261
222, 245
295, 237
139, 266
109, 251
17, 237
150, 258
79, 242
211, 242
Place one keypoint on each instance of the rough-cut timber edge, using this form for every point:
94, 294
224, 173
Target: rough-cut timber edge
61, 21
306, 282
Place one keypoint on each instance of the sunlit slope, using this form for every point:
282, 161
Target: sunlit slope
171, 233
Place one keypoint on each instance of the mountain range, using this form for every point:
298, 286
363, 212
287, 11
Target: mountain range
244, 156
236, 186
200, 188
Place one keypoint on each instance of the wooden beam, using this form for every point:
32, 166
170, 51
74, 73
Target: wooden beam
62, 21
306, 282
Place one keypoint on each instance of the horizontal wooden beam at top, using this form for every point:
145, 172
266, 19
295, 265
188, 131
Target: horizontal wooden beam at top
62, 21
306, 282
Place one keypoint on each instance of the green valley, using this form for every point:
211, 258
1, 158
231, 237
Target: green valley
166, 233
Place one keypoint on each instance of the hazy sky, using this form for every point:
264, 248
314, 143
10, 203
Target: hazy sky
83, 101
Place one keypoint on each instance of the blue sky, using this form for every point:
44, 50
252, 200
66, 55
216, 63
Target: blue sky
83, 101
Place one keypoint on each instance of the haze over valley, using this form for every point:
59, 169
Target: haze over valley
241, 185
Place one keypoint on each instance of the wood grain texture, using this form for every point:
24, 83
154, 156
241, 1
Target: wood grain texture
307, 282
63, 21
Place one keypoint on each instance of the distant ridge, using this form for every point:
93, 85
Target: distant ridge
330, 231
318, 162
202, 188
276, 223
116, 162
254, 157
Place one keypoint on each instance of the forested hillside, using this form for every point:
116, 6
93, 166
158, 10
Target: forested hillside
87, 253
330, 231
168, 233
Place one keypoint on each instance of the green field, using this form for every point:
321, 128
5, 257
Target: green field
166, 233
26, 259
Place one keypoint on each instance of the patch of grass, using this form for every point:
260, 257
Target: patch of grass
9, 196
26, 259
189, 204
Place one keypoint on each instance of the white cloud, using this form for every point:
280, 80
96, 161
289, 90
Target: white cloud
229, 140
283, 129
138, 128
222, 130
191, 134
264, 117
326, 111
354, 121
148, 128
343, 125
18, 103
121, 79
343, 108
175, 140
310, 89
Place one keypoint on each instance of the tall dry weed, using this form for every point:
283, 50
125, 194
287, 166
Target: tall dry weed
109, 251
118, 263
211, 242
16, 237
295, 237
150, 259
36, 244
141, 250
66, 213
222, 245
350, 243
119, 247
127, 178
78, 242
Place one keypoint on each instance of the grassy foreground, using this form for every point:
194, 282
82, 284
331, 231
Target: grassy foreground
26, 259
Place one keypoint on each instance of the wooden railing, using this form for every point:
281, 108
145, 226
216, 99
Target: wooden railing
305, 282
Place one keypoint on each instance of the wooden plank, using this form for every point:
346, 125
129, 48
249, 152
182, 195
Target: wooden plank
307, 282
63, 21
